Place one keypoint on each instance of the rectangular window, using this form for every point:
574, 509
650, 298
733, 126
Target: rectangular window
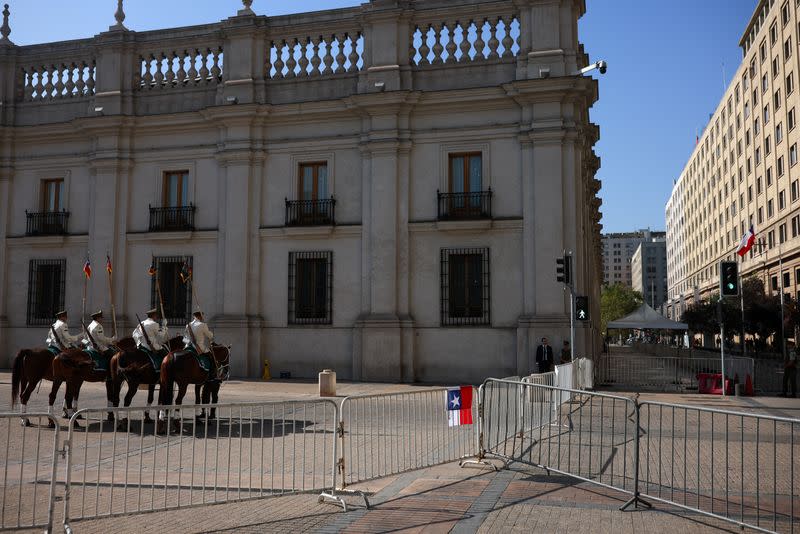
789, 83
781, 200
766, 115
782, 236
775, 64
785, 13
749, 165
767, 146
313, 181
787, 49
794, 190
758, 186
793, 154
778, 133
756, 127
749, 193
758, 158
760, 215
176, 295
771, 238
774, 283
773, 33
769, 176
770, 209
780, 166
53, 195
762, 51
465, 287
311, 287
46, 290
466, 173
764, 84
175, 193
795, 229
786, 281
791, 119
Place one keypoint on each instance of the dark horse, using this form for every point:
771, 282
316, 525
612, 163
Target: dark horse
31, 366
134, 366
182, 367
75, 367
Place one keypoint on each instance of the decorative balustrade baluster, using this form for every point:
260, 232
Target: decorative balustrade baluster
479, 44
291, 62
170, 75
424, 49
327, 59
39, 88
59, 85
340, 57
80, 83
437, 44
279, 64
49, 86
465, 45
353, 56
27, 92
508, 41
493, 41
181, 75
70, 85
216, 69
147, 75
159, 76
315, 59
303, 63
204, 72
90, 79
192, 74
451, 42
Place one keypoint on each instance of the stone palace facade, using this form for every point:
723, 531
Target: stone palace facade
381, 190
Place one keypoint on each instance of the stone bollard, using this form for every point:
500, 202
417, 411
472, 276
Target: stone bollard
737, 390
327, 383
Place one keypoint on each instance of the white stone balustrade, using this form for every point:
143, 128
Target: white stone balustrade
56, 81
462, 41
180, 68
315, 56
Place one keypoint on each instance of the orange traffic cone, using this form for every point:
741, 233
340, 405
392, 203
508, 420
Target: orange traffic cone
748, 386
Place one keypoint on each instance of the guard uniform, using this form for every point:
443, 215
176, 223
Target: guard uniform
199, 339
157, 334
58, 337
103, 344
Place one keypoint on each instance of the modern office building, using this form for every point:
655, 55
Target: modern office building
618, 251
382, 190
649, 271
743, 170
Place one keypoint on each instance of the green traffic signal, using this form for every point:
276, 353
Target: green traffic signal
729, 278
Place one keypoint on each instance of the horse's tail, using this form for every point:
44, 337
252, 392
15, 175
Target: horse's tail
17, 374
113, 368
167, 379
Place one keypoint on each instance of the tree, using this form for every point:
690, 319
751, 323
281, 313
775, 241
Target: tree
617, 301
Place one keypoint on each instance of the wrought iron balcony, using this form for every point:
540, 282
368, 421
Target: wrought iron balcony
311, 212
461, 206
47, 222
172, 219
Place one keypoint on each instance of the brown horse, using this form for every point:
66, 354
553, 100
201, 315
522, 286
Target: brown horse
182, 367
75, 367
29, 368
134, 366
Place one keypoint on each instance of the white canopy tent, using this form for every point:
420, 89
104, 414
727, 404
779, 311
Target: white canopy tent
646, 318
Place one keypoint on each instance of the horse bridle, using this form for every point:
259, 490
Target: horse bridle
224, 368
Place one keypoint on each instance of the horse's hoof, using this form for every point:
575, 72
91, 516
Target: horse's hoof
25, 421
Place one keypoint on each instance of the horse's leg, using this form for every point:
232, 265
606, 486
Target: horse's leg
151, 393
23, 399
67, 405
214, 398
110, 398
197, 389
52, 400
132, 386
76, 392
182, 387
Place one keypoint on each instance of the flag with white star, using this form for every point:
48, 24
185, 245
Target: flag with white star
459, 405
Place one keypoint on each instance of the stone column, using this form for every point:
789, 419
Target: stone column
6, 178
245, 56
116, 64
548, 37
241, 160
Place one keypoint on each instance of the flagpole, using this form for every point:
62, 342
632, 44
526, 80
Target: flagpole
85, 283
109, 270
741, 302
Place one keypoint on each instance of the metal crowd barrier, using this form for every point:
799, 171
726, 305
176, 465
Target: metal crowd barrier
29, 459
667, 373
397, 432
734, 466
249, 450
590, 436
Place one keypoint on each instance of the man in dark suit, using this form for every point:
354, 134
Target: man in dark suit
544, 357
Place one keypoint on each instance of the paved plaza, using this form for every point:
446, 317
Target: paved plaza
444, 498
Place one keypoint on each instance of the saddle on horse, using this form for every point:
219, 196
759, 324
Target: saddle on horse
205, 361
156, 357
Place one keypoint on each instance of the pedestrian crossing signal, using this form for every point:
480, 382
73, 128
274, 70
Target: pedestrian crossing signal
729, 278
582, 308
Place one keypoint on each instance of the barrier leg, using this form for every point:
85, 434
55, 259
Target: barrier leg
636, 500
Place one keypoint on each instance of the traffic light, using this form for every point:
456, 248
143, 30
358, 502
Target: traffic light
582, 308
564, 269
728, 279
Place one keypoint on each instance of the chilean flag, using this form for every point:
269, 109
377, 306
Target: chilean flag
748, 239
459, 405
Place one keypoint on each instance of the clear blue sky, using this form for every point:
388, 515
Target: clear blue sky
665, 75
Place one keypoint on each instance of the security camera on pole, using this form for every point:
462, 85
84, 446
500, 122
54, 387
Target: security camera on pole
564, 275
728, 287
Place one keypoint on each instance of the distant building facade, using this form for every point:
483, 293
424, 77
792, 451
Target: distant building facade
618, 251
649, 271
382, 190
743, 171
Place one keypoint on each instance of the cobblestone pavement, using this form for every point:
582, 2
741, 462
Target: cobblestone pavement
437, 499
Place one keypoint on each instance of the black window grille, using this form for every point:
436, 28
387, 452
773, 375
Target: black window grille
172, 219
465, 287
45, 290
176, 294
46, 222
310, 287
311, 212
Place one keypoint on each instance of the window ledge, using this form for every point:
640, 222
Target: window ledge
48, 241
188, 235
